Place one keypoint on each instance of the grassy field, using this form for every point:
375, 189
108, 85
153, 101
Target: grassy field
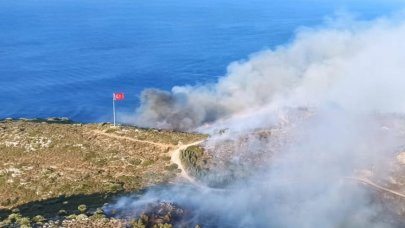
52, 165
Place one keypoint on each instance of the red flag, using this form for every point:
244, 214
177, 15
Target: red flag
118, 96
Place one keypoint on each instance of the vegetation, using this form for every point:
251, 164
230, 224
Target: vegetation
195, 161
212, 172
54, 165
172, 167
82, 208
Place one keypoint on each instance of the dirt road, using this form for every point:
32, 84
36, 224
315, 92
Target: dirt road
174, 152
98, 132
175, 158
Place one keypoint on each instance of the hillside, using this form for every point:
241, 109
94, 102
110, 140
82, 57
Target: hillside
58, 173
52, 166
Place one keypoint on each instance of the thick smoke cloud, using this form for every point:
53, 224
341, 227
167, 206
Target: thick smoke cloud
329, 93
354, 65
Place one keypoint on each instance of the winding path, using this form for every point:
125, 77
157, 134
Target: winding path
174, 152
98, 132
175, 158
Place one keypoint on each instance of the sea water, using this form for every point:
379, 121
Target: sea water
65, 58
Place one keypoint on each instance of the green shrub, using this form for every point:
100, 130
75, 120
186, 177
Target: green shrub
98, 214
5, 223
137, 224
14, 217
81, 217
193, 160
24, 221
99, 211
172, 167
39, 219
82, 208
147, 162
192, 154
97, 217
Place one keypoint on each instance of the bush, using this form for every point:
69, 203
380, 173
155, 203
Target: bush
137, 224
81, 217
147, 162
14, 217
82, 208
192, 155
39, 219
24, 221
172, 167
5, 223
193, 160
98, 214
99, 211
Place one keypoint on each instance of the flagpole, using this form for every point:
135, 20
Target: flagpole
113, 100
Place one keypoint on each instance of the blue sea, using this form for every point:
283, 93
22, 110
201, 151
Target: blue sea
65, 58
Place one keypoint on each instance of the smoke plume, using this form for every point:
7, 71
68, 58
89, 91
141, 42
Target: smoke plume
354, 65
329, 93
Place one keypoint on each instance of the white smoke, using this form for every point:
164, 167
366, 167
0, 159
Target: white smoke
346, 75
357, 67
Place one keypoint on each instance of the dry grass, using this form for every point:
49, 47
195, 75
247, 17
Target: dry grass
41, 160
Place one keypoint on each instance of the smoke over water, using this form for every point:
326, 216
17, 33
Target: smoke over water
327, 100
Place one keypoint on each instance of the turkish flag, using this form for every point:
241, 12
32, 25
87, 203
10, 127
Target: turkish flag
118, 96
